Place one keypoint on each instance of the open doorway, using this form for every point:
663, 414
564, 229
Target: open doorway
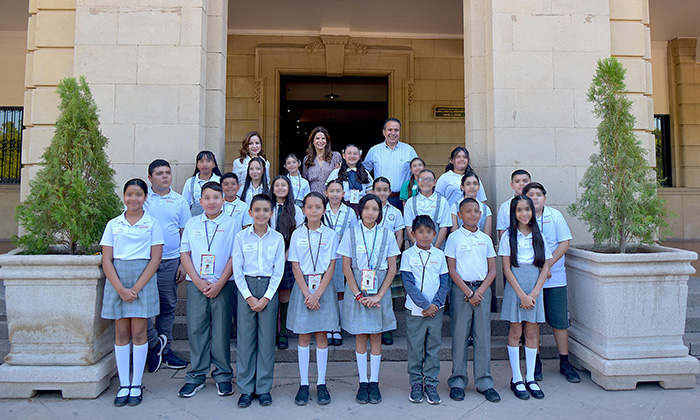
352, 109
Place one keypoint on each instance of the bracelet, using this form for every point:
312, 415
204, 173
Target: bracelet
472, 295
314, 295
358, 296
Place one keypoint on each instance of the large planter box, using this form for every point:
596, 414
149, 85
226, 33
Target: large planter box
628, 315
58, 341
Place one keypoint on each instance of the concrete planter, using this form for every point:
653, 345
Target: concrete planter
628, 317
58, 341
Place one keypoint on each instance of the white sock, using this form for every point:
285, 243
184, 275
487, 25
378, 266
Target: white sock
374, 361
337, 335
361, 366
530, 357
514, 358
321, 363
140, 353
329, 335
122, 354
303, 353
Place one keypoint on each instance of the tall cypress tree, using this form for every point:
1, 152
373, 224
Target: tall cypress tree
72, 197
619, 202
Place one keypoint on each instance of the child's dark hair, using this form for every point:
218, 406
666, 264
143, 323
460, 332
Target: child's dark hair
291, 155
468, 175
157, 163
467, 201
362, 175
286, 220
381, 179
228, 175
430, 172
363, 202
520, 172
334, 181
423, 220
261, 197
314, 194
212, 185
248, 180
537, 240
139, 183
206, 154
454, 154
412, 181
534, 186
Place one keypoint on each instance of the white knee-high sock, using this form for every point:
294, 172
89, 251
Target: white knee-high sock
122, 354
374, 362
140, 353
361, 366
304, 354
514, 358
530, 357
321, 363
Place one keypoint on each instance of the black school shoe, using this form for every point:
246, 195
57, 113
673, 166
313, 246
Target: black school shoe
538, 368
265, 399
523, 395
244, 400
375, 397
457, 394
337, 339
362, 396
188, 390
537, 393
387, 338
122, 401
569, 372
302, 397
432, 395
416, 394
322, 395
224, 389
135, 400
282, 342
491, 395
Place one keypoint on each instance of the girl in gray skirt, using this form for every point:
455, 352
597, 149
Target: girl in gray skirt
132, 247
313, 307
369, 263
525, 264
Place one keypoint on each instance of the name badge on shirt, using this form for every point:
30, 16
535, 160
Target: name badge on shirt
250, 247
303, 242
354, 196
206, 266
314, 282
368, 283
465, 247
197, 233
119, 231
161, 202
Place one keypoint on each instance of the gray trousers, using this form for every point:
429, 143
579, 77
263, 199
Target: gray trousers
255, 340
424, 339
167, 291
209, 334
466, 318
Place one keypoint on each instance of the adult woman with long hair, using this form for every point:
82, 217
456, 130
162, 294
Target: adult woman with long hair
320, 160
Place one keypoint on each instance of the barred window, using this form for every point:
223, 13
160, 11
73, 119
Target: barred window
11, 144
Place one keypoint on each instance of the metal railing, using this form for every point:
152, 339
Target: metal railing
10, 144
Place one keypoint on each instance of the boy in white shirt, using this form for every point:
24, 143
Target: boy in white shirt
518, 180
430, 203
234, 207
426, 280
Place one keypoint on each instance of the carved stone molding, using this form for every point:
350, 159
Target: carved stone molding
315, 45
410, 93
356, 47
258, 90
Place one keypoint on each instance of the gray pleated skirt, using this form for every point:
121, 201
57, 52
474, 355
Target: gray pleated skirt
526, 275
146, 305
303, 320
359, 319
338, 276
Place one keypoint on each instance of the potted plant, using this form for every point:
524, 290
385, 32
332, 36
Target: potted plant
53, 281
627, 295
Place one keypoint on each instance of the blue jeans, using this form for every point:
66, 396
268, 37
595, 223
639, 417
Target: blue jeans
167, 291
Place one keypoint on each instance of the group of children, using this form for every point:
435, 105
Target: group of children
278, 256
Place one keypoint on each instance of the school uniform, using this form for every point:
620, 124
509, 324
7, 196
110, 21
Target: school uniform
172, 212
392, 219
258, 264
192, 191
449, 185
471, 251
251, 192
300, 187
235, 209
369, 250
503, 215
555, 230
435, 206
351, 185
131, 253
241, 168
313, 250
340, 222
485, 212
427, 281
209, 242
526, 274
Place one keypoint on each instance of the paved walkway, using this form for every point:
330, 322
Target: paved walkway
570, 401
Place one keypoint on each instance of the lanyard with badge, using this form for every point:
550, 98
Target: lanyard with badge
369, 283
329, 214
206, 265
233, 210
314, 279
298, 186
424, 264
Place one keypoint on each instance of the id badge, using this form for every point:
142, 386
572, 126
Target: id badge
368, 282
314, 282
354, 196
206, 267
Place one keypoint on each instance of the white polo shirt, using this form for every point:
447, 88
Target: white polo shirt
187, 191
555, 230
132, 242
366, 187
255, 255
367, 244
428, 206
426, 267
252, 192
241, 168
300, 187
485, 212
335, 220
503, 216
392, 218
526, 253
449, 185
206, 236
313, 249
471, 251
235, 207
391, 164
172, 212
